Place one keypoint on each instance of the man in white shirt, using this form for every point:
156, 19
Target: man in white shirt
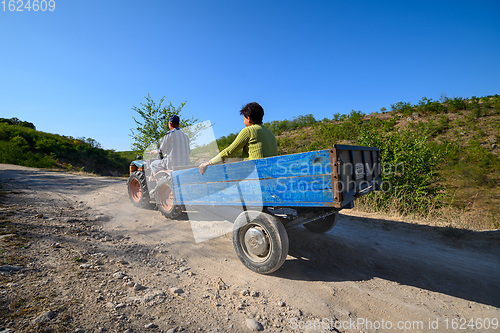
174, 147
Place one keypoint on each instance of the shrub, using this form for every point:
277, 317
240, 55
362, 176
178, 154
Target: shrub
443, 124
457, 103
356, 117
403, 107
496, 105
389, 124
487, 102
409, 167
476, 113
278, 126
302, 121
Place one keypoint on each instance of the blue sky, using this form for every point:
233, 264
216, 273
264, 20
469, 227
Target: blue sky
78, 70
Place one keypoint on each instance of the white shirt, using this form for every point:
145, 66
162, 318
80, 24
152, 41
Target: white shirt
175, 149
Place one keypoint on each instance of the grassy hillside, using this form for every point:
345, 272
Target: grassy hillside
448, 149
21, 144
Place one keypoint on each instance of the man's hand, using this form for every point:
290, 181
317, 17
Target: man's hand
203, 167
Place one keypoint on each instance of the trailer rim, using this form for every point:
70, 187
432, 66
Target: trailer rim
255, 242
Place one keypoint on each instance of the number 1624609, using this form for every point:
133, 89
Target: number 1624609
28, 6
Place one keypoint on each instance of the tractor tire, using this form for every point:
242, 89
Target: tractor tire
165, 199
138, 189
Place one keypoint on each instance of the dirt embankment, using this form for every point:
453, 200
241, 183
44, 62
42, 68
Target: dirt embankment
76, 256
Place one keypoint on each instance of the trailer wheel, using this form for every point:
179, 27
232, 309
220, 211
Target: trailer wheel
260, 241
165, 199
138, 189
323, 225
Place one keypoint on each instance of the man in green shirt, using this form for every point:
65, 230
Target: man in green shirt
256, 140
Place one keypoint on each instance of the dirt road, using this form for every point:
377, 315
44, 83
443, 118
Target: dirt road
76, 256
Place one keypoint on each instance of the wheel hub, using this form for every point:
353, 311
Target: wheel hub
256, 241
135, 189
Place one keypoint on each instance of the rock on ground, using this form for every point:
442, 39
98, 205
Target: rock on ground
254, 325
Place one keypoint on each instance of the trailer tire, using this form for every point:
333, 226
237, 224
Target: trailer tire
164, 196
260, 241
323, 225
137, 188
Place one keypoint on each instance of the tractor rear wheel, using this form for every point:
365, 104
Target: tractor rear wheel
164, 195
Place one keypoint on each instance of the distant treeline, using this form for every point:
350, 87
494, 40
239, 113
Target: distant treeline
21, 144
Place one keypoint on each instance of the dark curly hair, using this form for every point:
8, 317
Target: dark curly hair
254, 112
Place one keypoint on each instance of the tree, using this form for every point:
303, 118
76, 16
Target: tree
16, 121
91, 142
154, 123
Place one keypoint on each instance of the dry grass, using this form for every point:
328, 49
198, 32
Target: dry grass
469, 218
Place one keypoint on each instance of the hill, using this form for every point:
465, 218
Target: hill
22, 144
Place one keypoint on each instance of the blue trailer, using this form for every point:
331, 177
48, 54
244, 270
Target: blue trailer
273, 194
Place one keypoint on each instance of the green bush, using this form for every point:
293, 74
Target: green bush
389, 124
443, 124
356, 117
473, 163
476, 113
409, 167
403, 107
496, 105
303, 121
457, 103
428, 106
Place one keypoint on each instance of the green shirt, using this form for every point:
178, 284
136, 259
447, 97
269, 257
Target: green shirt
257, 142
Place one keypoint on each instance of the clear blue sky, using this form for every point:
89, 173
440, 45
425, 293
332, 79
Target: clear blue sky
78, 70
